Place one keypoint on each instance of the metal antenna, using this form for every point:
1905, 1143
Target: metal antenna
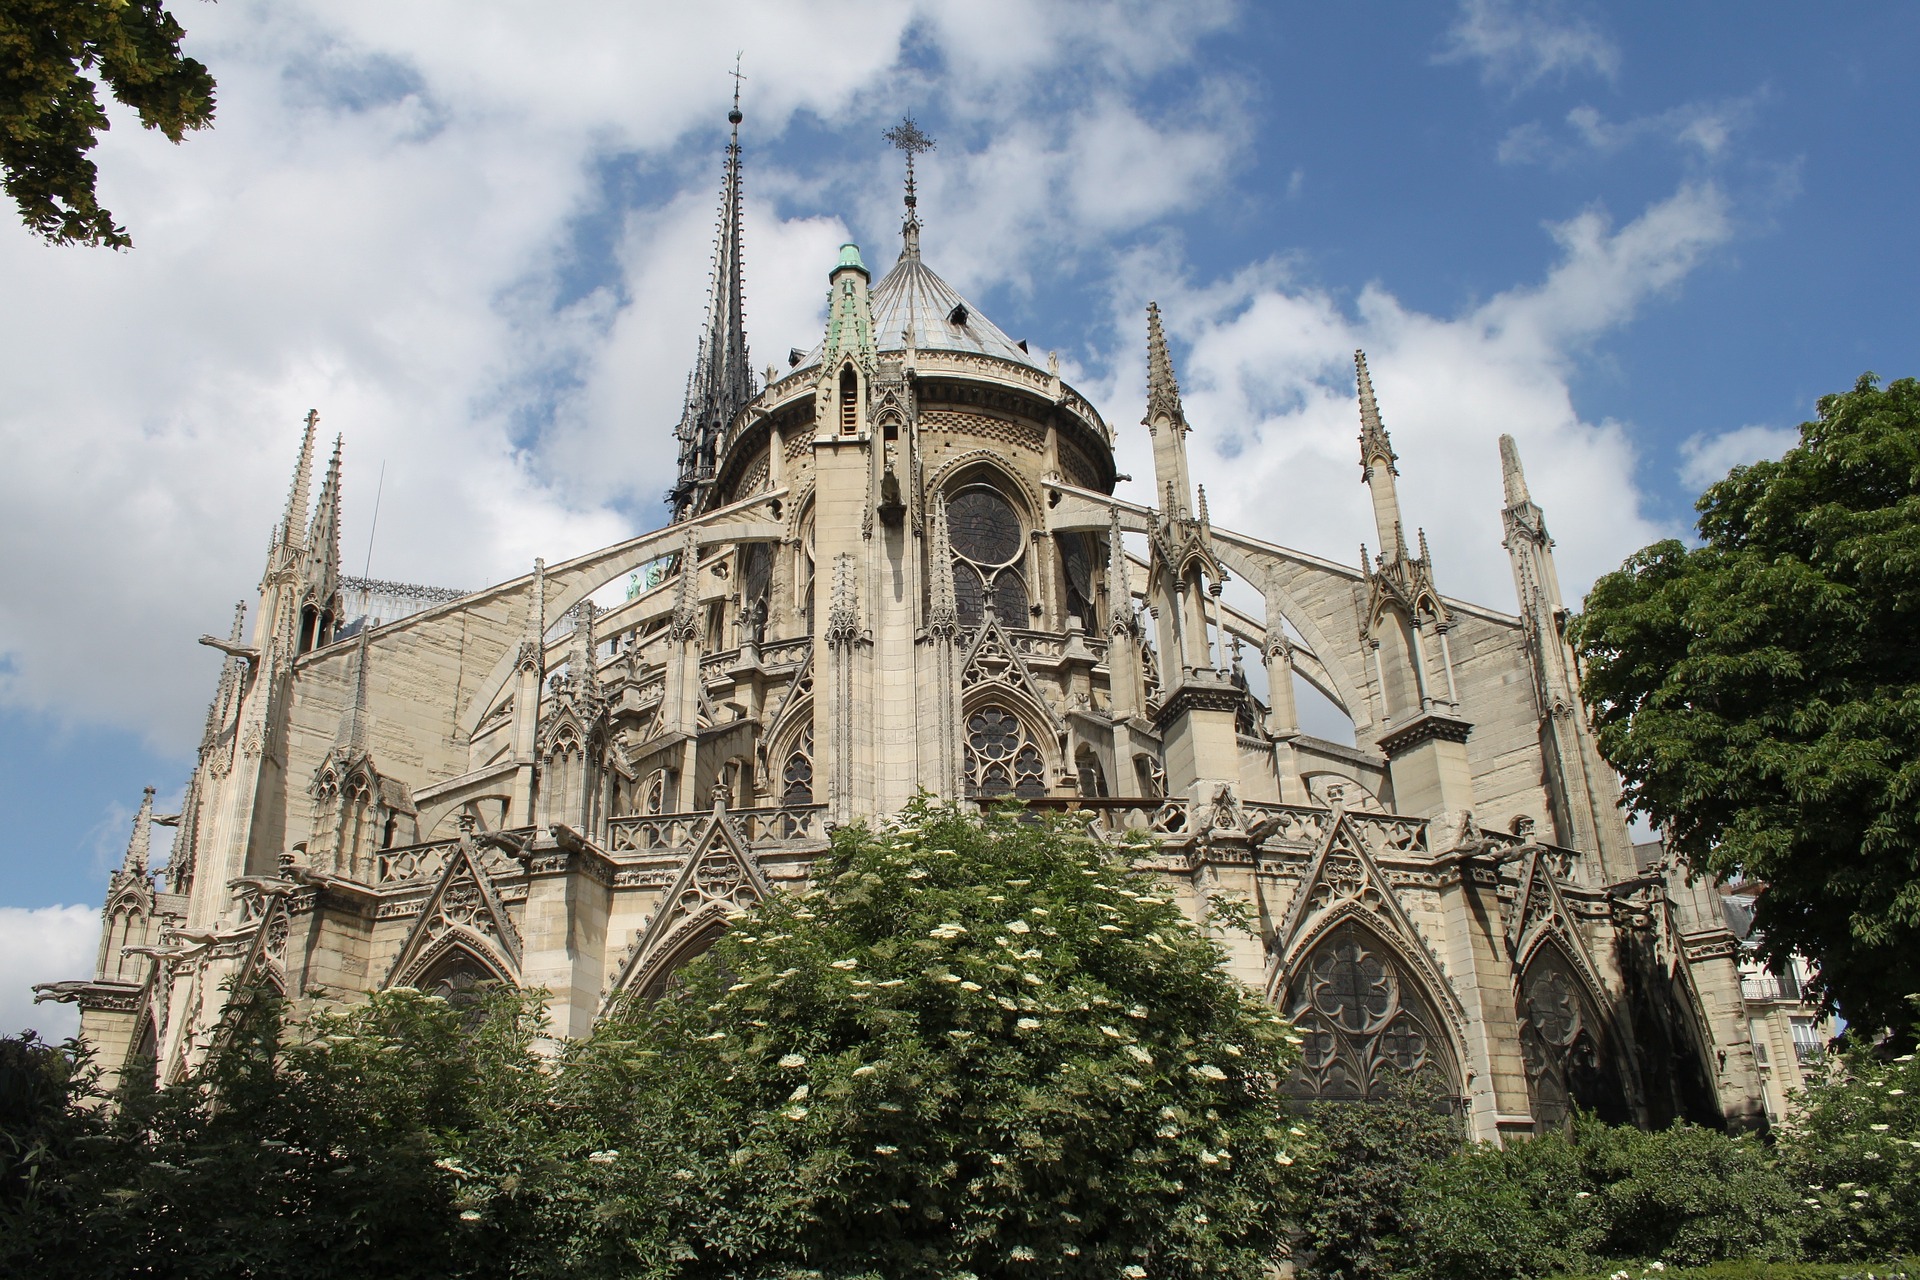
367, 570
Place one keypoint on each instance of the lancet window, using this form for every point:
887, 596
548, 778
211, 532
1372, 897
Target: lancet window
1363, 1018
796, 775
1561, 1044
1076, 569
1001, 757
989, 545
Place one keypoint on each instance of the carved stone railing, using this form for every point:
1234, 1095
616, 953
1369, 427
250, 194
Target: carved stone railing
769, 827
790, 826
1298, 824
412, 862
783, 653
1111, 818
654, 832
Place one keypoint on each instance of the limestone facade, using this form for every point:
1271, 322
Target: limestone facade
900, 565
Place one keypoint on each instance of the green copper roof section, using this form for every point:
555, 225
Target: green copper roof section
850, 257
849, 317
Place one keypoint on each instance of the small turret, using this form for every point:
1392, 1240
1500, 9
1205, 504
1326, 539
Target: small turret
320, 573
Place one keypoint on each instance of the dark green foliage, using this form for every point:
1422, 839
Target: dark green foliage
1853, 1155
1684, 1195
50, 115
1897, 1269
311, 1159
979, 1047
1760, 693
1372, 1155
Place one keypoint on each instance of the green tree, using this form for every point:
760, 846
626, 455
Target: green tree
319, 1155
1760, 693
50, 115
979, 1047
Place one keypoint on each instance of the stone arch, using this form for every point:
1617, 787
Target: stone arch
1263, 568
690, 940
958, 471
457, 947
1365, 1012
1569, 1046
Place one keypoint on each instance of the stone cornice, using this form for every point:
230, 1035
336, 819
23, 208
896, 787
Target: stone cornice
1430, 726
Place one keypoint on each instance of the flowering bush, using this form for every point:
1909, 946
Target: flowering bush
1853, 1153
980, 1046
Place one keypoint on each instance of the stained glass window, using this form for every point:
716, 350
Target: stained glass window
1001, 759
1362, 1018
988, 547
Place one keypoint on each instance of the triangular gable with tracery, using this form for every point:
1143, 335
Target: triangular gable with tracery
992, 659
1344, 879
718, 879
463, 910
1539, 909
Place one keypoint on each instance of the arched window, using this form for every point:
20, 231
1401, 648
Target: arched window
1149, 777
849, 402
653, 795
989, 544
1363, 1016
1001, 758
1561, 1043
796, 775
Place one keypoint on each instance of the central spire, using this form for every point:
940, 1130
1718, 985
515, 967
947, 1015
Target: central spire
911, 141
722, 381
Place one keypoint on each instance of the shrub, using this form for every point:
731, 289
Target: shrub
1853, 1155
1371, 1156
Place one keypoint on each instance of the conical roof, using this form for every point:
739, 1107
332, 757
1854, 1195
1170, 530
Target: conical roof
912, 297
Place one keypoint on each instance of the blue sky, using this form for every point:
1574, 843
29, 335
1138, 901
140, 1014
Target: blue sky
1642, 238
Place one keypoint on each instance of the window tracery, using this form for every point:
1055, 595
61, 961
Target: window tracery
1362, 1018
989, 545
796, 776
1561, 1044
1001, 757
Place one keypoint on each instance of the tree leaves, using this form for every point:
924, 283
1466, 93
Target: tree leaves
1760, 693
50, 115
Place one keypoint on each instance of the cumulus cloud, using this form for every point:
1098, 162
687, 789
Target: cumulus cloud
1268, 383
48, 944
1522, 42
475, 237
1706, 458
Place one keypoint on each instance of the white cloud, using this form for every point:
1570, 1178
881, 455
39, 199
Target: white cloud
47, 944
1268, 383
1522, 42
1707, 458
1702, 129
382, 226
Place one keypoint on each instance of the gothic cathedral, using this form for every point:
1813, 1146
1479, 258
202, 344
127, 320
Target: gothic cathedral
900, 565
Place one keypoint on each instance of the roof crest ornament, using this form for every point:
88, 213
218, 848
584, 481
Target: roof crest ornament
910, 140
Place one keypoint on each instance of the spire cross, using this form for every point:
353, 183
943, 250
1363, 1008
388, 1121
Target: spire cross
909, 139
734, 117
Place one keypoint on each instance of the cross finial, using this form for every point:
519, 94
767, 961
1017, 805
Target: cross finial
911, 140
734, 116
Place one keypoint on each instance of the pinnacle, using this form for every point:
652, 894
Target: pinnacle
1163, 389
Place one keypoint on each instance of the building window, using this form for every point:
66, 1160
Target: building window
988, 547
1808, 1045
796, 776
849, 402
1757, 1032
1001, 759
1363, 1019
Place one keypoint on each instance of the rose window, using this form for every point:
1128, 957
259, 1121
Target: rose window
988, 547
1001, 759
